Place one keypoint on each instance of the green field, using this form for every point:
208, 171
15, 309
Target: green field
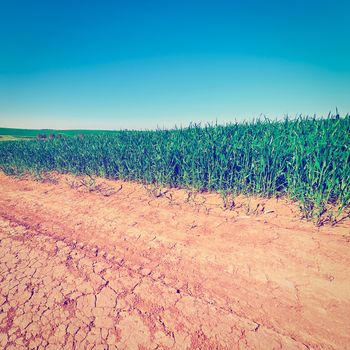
7, 134
305, 159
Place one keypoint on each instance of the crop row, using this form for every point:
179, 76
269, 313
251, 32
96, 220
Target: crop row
306, 159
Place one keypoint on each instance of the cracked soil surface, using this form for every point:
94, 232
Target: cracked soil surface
84, 271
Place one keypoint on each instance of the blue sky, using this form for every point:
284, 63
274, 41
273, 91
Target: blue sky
139, 64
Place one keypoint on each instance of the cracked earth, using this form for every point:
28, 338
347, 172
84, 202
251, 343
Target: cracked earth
84, 271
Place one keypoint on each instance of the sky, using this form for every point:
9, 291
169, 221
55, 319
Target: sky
147, 64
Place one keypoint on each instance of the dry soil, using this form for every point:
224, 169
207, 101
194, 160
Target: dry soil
129, 270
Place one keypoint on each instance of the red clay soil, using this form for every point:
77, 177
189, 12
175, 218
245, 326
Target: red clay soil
81, 270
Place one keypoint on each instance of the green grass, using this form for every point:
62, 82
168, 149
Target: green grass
12, 138
32, 133
306, 159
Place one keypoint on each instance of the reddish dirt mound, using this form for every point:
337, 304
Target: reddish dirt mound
88, 268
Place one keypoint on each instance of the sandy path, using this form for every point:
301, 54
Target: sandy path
80, 270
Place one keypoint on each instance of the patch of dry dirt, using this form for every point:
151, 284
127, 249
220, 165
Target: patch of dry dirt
130, 271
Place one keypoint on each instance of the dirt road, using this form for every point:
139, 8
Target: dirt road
129, 271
